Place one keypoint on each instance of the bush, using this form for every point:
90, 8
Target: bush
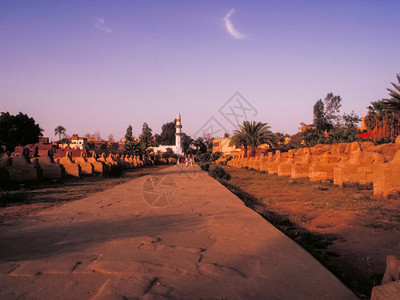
382, 140
114, 171
4, 178
218, 172
205, 166
214, 156
13, 197
203, 157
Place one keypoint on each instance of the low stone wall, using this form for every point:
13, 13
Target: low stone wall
347, 163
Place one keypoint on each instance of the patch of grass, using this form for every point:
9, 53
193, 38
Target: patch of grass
382, 225
323, 188
205, 166
293, 181
218, 172
394, 196
358, 186
13, 197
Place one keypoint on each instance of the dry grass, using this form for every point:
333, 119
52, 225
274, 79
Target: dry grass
341, 226
279, 187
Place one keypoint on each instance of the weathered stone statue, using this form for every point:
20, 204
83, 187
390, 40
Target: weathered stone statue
86, 167
70, 167
51, 170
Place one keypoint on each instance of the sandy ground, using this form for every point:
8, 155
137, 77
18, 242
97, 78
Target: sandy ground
346, 229
176, 233
31, 198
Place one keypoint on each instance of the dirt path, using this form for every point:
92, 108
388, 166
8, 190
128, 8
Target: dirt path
175, 234
23, 200
346, 229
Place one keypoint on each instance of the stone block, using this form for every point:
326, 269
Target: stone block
386, 180
20, 168
359, 168
323, 168
265, 161
285, 167
50, 169
252, 162
301, 168
388, 291
277, 160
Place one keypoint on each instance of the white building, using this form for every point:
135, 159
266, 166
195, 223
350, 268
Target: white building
75, 142
177, 148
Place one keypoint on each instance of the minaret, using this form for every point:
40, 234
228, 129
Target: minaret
178, 127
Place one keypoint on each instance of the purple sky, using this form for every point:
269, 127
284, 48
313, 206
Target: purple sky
102, 65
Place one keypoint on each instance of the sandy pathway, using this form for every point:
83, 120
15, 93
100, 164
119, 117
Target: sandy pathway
174, 234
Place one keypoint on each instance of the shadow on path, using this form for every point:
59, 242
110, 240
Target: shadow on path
48, 241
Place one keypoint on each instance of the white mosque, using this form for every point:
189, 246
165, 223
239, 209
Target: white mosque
177, 148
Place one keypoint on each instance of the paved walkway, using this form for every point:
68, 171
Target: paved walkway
174, 234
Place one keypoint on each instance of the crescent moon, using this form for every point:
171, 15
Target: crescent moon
230, 28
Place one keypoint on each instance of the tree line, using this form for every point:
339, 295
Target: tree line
329, 126
146, 141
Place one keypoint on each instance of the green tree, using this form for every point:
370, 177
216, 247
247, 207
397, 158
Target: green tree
346, 130
383, 118
167, 136
375, 114
208, 140
18, 130
168, 153
296, 141
239, 140
350, 120
341, 134
252, 134
59, 130
129, 133
282, 141
326, 113
130, 144
332, 108
146, 138
319, 119
329, 126
200, 145
187, 142
393, 103
312, 137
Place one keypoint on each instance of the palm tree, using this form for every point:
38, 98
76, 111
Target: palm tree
60, 130
251, 135
393, 104
239, 140
383, 118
